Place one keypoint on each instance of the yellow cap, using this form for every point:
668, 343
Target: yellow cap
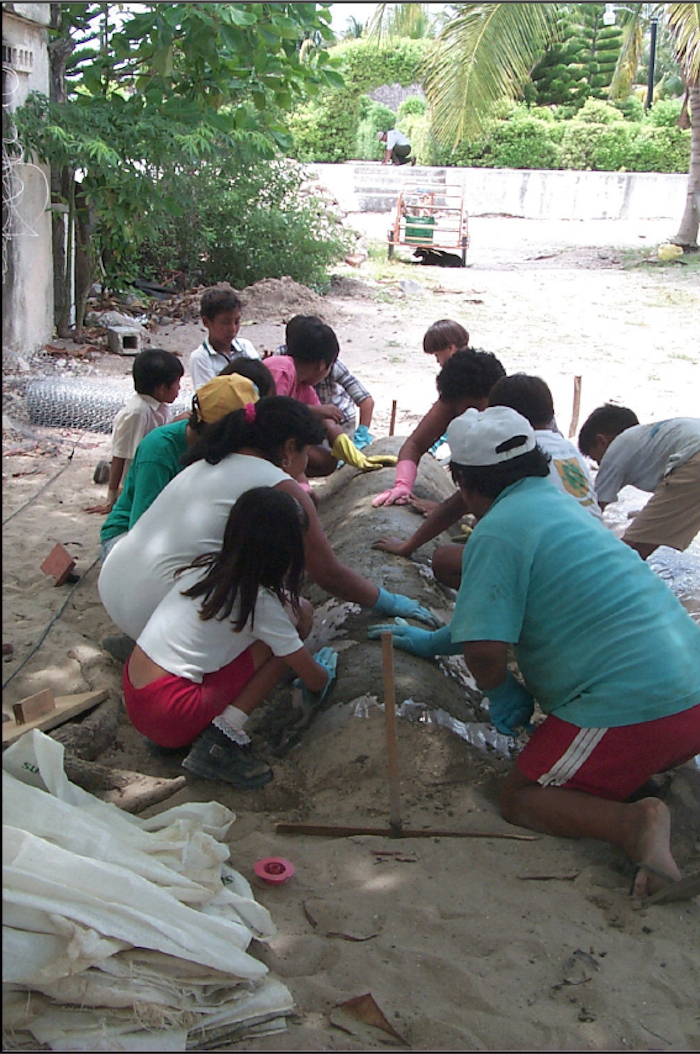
222, 395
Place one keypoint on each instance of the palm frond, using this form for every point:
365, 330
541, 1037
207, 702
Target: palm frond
400, 20
632, 26
484, 54
683, 20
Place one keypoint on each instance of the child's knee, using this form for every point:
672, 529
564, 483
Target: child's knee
447, 565
306, 618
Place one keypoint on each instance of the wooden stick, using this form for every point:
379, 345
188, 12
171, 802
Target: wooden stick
392, 423
324, 830
577, 406
392, 752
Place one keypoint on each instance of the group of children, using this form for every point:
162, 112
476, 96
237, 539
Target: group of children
213, 610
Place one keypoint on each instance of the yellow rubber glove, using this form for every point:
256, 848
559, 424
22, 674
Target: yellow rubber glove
345, 450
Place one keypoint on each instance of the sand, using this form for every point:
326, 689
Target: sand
465, 944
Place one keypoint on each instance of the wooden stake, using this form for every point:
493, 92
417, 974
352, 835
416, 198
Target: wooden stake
323, 830
392, 423
577, 406
392, 751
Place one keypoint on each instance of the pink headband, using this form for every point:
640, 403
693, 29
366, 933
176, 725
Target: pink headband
249, 412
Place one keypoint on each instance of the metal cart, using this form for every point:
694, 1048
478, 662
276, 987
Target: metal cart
431, 216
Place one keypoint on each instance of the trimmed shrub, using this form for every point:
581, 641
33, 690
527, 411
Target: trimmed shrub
665, 113
413, 105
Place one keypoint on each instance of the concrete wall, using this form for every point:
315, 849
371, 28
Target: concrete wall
27, 289
525, 193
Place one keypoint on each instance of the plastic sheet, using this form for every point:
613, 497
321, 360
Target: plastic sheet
479, 734
121, 933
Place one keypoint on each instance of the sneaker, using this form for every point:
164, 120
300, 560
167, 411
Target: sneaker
413, 160
214, 756
120, 648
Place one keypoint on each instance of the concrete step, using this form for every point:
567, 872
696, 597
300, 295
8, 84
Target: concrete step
377, 186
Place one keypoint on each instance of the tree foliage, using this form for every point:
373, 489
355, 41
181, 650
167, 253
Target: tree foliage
163, 88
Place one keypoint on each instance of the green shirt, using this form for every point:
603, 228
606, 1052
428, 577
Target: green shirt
600, 640
156, 462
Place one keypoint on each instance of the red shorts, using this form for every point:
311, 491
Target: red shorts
609, 762
172, 711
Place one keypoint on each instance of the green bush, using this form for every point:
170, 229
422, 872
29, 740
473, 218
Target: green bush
413, 105
419, 133
661, 149
245, 225
665, 113
631, 108
375, 117
325, 129
595, 111
596, 146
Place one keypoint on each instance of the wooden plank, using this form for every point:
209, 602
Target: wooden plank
67, 706
34, 706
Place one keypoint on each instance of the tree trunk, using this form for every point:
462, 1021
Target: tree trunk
687, 235
85, 259
59, 50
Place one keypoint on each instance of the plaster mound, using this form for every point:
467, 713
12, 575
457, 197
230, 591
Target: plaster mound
352, 524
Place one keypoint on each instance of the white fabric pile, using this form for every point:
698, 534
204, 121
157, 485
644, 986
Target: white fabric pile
121, 933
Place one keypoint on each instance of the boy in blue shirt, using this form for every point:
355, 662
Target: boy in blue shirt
608, 651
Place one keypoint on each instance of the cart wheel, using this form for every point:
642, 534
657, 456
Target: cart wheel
390, 252
465, 242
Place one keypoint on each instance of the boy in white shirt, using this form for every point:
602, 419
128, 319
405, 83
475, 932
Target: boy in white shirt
220, 309
156, 374
662, 458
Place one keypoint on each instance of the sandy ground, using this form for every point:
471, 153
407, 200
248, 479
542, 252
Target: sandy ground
465, 944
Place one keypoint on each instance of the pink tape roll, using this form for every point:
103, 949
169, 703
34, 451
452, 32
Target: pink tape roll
274, 870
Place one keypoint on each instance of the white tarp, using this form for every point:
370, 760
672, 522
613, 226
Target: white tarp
115, 927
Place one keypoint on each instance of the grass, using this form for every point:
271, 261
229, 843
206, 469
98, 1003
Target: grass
689, 263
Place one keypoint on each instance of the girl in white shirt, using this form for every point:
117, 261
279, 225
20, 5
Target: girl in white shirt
222, 638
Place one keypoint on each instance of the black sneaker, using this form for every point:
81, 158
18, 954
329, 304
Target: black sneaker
120, 648
214, 756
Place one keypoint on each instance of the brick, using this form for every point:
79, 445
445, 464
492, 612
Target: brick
58, 563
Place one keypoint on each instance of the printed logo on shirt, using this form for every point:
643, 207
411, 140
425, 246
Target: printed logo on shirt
572, 476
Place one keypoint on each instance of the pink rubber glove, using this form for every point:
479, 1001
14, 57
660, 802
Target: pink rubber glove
406, 472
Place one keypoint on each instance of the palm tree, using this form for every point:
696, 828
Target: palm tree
403, 20
485, 52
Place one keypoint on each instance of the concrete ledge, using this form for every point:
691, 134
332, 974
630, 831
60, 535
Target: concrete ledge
525, 193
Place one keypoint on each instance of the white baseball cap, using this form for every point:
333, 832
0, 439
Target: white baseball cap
495, 435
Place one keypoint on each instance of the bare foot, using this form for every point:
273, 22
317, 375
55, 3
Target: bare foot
648, 842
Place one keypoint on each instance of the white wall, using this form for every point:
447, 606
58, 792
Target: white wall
27, 291
519, 192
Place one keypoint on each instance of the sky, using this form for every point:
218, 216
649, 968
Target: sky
342, 12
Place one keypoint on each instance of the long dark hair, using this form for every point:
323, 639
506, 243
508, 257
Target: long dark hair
266, 428
263, 547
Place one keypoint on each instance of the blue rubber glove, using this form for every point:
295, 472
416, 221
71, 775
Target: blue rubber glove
420, 642
327, 658
397, 604
510, 705
362, 438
